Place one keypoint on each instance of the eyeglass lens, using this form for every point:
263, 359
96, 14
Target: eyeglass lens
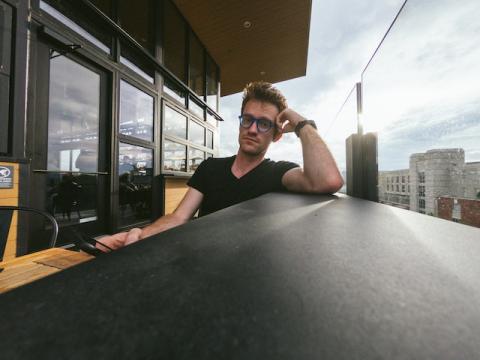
263, 125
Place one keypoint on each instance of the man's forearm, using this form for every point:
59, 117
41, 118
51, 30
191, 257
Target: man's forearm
162, 224
318, 163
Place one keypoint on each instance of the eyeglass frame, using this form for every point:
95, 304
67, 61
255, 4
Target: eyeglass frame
255, 121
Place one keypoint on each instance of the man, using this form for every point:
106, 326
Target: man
219, 183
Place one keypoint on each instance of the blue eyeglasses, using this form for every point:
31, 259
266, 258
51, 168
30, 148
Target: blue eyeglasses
263, 125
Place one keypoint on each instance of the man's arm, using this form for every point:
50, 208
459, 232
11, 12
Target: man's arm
320, 173
184, 212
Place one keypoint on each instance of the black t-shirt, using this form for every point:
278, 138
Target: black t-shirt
221, 189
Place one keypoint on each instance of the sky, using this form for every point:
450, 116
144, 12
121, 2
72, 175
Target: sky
420, 90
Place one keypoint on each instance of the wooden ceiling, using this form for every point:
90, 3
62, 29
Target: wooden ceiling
274, 48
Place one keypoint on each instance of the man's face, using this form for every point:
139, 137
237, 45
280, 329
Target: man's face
253, 142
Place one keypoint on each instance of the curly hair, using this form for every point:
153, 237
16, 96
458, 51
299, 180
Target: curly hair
265, 92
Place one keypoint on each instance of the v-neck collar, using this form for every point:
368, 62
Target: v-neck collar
246, 174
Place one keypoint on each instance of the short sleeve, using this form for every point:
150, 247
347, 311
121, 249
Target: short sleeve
280, 168
199, 179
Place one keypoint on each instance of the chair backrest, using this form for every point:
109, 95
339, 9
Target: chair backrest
6, 214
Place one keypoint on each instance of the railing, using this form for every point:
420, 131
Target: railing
420, 94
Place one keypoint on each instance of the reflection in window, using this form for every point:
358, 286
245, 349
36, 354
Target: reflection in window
212, 83
175, 123
195, 157
135, 170
196, 133
211, 119
72, 198
73, 117
196, 109
132, 60
209, 143
174, 156
136, 112
196, 66
80, 24
174, 39
174, 91
136, 18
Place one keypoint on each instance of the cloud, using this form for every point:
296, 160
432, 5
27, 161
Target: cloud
343, 35
421, 91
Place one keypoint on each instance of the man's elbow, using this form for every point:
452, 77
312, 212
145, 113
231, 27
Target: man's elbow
328, 186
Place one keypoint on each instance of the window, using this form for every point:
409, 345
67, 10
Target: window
135, 171
136, 112
403, 188
196, 133
81, 23
132, 60
196, 109
196, 66
421, 204
6, 22
195, 157
421, 177
174, 40
211, 119
137, 19
209, 142
388, 186
397, 188
212, 83
175, 156
421, 191
403, 179
398, 180
174, 91
175, 123
73, 117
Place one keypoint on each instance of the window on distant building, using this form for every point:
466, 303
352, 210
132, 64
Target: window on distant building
421, 191
421, 203
421, 177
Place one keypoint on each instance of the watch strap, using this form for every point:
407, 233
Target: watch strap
301, 124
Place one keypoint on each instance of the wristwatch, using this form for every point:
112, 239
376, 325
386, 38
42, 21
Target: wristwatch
301, 124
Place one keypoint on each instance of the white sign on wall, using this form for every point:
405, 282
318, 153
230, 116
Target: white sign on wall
6, 177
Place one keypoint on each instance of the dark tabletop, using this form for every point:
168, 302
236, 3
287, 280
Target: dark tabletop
282, 276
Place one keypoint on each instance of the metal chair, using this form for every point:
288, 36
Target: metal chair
6, 214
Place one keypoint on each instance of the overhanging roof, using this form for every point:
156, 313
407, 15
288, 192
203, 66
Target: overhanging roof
274, 48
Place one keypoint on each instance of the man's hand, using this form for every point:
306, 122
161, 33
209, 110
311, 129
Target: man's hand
119, 240
287, 120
